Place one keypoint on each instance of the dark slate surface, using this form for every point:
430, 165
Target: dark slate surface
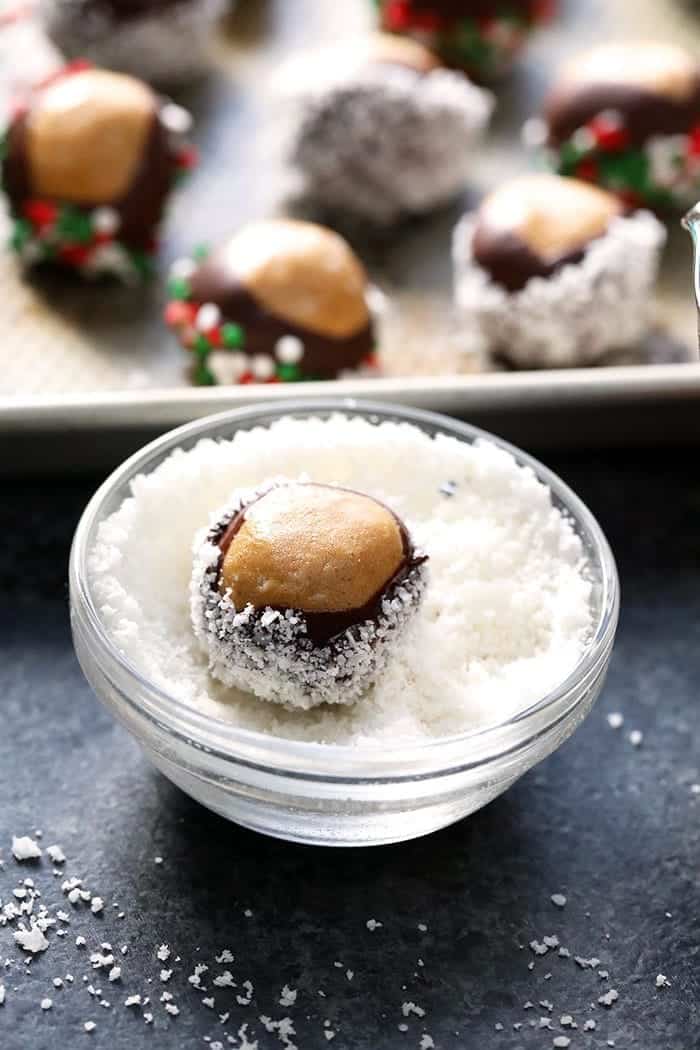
616, 829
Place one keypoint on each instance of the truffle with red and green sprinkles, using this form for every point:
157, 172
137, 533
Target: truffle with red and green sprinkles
627, 117
88, 162
480, 36
280, 301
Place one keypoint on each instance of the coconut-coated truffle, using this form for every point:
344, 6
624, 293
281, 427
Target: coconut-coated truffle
89, 162
376, 129
281, 300
627, 116
299, 591
163, 41
480, 36
532, 225
552, 272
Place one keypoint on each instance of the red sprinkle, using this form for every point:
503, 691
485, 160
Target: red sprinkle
610, 135
40, 213
75, 254
178, 313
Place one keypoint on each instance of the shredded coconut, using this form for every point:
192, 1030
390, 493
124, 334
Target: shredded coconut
25, 848
505, 615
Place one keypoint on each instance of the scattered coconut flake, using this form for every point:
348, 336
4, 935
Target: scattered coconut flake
410, 1008
89, 1026
636, 737
96, 905
288, 996
558, 899
225, 957
373, 924
46, 1003
616, 720
31, 940
56, 854
133, 1000
2, 994
172, 1009
115, 973
163, 953
561, 1041
662, 981
25, 848
609, 998
589, 1026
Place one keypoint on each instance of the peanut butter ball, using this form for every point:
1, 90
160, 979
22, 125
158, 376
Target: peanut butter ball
627, 117
300, 590
279, 301
533, 225
89, 162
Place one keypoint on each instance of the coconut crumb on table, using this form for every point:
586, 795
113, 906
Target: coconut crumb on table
505, 616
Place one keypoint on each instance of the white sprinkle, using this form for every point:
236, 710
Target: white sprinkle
636, 737
96, 905
589, 1026
133, 1000
609, 998
262, 366
248, 913
106, 220
80, 942
373, 924
172, 1009
422, 927
289, 350
57, 982
25, 848
163, 953
89, 1026
115, 973
616, 720
157, 860
539, 949
209, 1002
56, 854
175, 118
561, 1041
225, 957
46, 1004
288, 996
351, 973
165, 975
695, 789
208, 317
148, 1017
558, 899
182, 269
225, 980
662, 981
566, 1021
245, 1000
426, 1042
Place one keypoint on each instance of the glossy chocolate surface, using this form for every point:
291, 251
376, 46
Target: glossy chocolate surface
324, 627
324, 355
645, 113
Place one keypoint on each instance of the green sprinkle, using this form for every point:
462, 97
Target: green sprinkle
179, 288
232, 336
21, 233
203, 376
74, 225
289, 373
201, 344
201, 251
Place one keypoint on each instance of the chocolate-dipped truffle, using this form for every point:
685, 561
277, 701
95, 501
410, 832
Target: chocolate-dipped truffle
87, 166
280, 301
627, 116
376, 129
550, 272
163, 41
479, 36
300, 590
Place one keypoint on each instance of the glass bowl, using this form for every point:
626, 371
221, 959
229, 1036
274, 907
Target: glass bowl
331, 794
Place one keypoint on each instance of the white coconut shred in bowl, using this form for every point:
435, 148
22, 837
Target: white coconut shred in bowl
506, 612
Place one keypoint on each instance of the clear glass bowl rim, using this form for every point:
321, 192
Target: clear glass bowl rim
339, 762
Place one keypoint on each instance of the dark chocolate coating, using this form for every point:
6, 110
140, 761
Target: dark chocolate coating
213, 282
645, 113
510, 262
323, 627
140, 209
123, 10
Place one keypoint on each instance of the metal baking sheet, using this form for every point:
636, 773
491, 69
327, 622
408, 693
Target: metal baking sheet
78, 359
